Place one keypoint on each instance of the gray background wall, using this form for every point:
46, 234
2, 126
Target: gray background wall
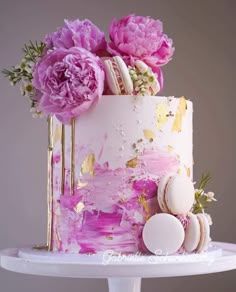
203, 69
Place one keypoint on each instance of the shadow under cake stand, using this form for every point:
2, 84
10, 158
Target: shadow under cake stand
124, 273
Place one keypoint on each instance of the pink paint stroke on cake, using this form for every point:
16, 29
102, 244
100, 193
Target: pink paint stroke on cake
114, 206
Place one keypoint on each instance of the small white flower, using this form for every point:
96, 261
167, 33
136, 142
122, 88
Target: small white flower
22, 89
41, 115
210, 197
33, 110
201, 192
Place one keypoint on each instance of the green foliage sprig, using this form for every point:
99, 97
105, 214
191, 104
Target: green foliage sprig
23, 73
202, 199
33, 51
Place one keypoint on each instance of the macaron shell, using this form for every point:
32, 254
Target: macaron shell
179, 195
124, 75
163, 234
192, 234
117, 76
111, 77
161, 192
205, 232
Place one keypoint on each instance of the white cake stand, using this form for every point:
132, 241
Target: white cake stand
124, 273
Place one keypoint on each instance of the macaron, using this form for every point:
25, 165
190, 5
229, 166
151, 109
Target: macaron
117, 76
205, 232
175, 194
192, 234
163, 234
197, 233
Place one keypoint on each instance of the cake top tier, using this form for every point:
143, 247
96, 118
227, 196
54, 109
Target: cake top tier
74, 66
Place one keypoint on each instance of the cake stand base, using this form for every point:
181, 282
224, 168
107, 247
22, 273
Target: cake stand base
124, 284
124, 273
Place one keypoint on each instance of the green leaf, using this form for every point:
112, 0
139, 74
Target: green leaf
204, 180
201, 202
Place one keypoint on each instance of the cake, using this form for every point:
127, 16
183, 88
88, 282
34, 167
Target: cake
112, 158
120, 163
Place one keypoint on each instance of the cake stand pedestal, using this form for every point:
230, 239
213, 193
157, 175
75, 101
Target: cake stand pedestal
124, 273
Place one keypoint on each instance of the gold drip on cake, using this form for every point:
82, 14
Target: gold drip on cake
50, 183
62, 158
72, 158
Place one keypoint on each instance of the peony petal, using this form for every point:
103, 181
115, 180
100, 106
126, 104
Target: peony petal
70, 80
77, 33
138, 37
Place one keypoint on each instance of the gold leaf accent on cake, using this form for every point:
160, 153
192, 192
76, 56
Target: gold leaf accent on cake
188, 171
81, 184
88, 165
181, 111
109, 237
57, 135
169, 148
148, 134
50, 184
162, 115
79, 207
132, 163
72, 155
142, 200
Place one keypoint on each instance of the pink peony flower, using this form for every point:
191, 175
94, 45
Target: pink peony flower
71, 81
77, 33
140, 38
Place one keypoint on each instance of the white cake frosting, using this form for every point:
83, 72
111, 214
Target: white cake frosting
106, 190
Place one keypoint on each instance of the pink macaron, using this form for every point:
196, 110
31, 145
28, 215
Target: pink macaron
117, 76
175, 194
197, 233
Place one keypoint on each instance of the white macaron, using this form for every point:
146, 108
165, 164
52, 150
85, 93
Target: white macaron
197, 233
192, 234
205, 232
175, 194
117, 76
163, 234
